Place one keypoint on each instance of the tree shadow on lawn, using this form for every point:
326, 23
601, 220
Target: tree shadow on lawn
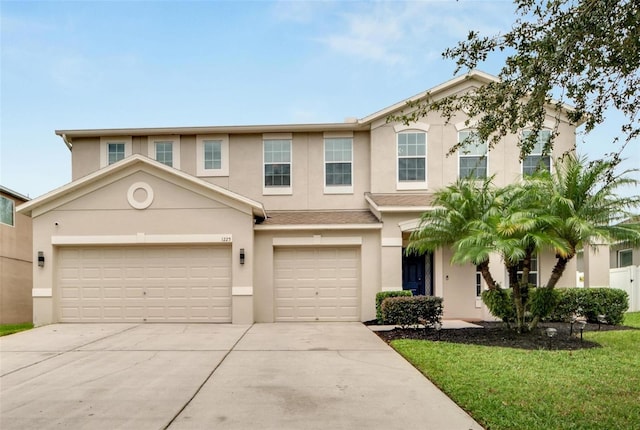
497, 334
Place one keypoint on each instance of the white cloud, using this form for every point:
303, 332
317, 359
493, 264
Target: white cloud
394, 33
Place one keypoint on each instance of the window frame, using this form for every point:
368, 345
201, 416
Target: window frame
618, 257
536, 272
13, 212
277, 189
104, 148
224, 155
175, 148
484, 157
479, 282
412, 129
537, 154
342, 188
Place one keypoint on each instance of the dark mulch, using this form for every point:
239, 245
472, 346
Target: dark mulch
497, 334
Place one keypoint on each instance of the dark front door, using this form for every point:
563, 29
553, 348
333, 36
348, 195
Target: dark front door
413, 273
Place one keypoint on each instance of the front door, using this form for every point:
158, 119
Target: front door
413, 273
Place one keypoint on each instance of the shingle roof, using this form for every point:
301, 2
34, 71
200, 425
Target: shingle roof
402, 200
319, 217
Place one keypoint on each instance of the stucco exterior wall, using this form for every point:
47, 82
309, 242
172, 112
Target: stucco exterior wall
16, 259
85, 157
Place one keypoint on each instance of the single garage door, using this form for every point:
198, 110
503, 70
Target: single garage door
317, 284
137, 284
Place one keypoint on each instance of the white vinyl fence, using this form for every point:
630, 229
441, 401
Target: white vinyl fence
627, 279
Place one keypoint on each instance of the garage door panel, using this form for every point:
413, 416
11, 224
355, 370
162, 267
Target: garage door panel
179, 284
312, 284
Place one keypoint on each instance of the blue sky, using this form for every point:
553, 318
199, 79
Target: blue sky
82, 64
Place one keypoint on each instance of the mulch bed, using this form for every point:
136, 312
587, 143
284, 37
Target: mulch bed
497, 334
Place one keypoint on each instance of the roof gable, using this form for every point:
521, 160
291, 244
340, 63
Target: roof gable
124, 167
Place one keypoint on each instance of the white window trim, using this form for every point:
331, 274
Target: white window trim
339, 189
13, 214
412, 185
224, 154
278, 191
104, 141
550, 154
537, 271
621, 251
175, 145
460, 155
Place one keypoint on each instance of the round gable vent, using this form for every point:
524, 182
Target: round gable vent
140, 195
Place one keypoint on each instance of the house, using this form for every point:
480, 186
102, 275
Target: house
295, 222
15, 260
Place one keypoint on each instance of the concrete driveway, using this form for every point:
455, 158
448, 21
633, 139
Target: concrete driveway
204, 376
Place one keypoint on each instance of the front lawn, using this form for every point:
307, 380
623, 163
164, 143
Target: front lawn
6, 329
506, 388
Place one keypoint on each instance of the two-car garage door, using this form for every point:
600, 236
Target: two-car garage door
317, 284
144, 283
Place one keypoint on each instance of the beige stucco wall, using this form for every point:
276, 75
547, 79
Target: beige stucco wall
263, 267
175, 210
246, 169
16, 259
596, 266
85, 157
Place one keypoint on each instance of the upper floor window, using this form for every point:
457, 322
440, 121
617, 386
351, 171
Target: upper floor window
537, 160
625, 257
277, 166
114, 149
338, 165
412, 160
6, 211
212, 155
472, 155
165, 149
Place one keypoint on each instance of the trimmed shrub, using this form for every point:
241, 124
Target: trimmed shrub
591, 302
500, 304
411, 311
542, 301
383, 295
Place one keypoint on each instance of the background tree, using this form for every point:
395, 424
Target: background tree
585, 53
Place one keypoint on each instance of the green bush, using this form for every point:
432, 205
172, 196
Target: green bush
411, 311
591, 302
383, 295
537, 301
542, 301
500, 304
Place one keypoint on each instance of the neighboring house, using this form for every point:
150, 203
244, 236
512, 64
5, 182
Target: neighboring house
297, 222
16, 260
625, 255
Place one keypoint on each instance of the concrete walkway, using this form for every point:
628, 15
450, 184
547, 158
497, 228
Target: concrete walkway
197, 376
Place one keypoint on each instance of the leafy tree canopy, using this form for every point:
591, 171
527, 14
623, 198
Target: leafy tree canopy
584, 53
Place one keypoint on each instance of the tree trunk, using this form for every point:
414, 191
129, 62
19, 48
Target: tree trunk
518, 286
486, 275
556, 274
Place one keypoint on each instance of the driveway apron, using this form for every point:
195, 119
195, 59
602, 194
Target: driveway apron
206, 376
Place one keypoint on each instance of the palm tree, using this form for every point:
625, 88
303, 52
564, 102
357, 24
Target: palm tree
456, 208
585, 207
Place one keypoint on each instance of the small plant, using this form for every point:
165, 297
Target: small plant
385, 294
411, 311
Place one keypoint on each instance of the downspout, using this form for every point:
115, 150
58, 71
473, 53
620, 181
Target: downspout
67, 141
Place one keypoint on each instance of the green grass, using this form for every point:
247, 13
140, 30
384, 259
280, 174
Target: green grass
6, 329
504, 388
